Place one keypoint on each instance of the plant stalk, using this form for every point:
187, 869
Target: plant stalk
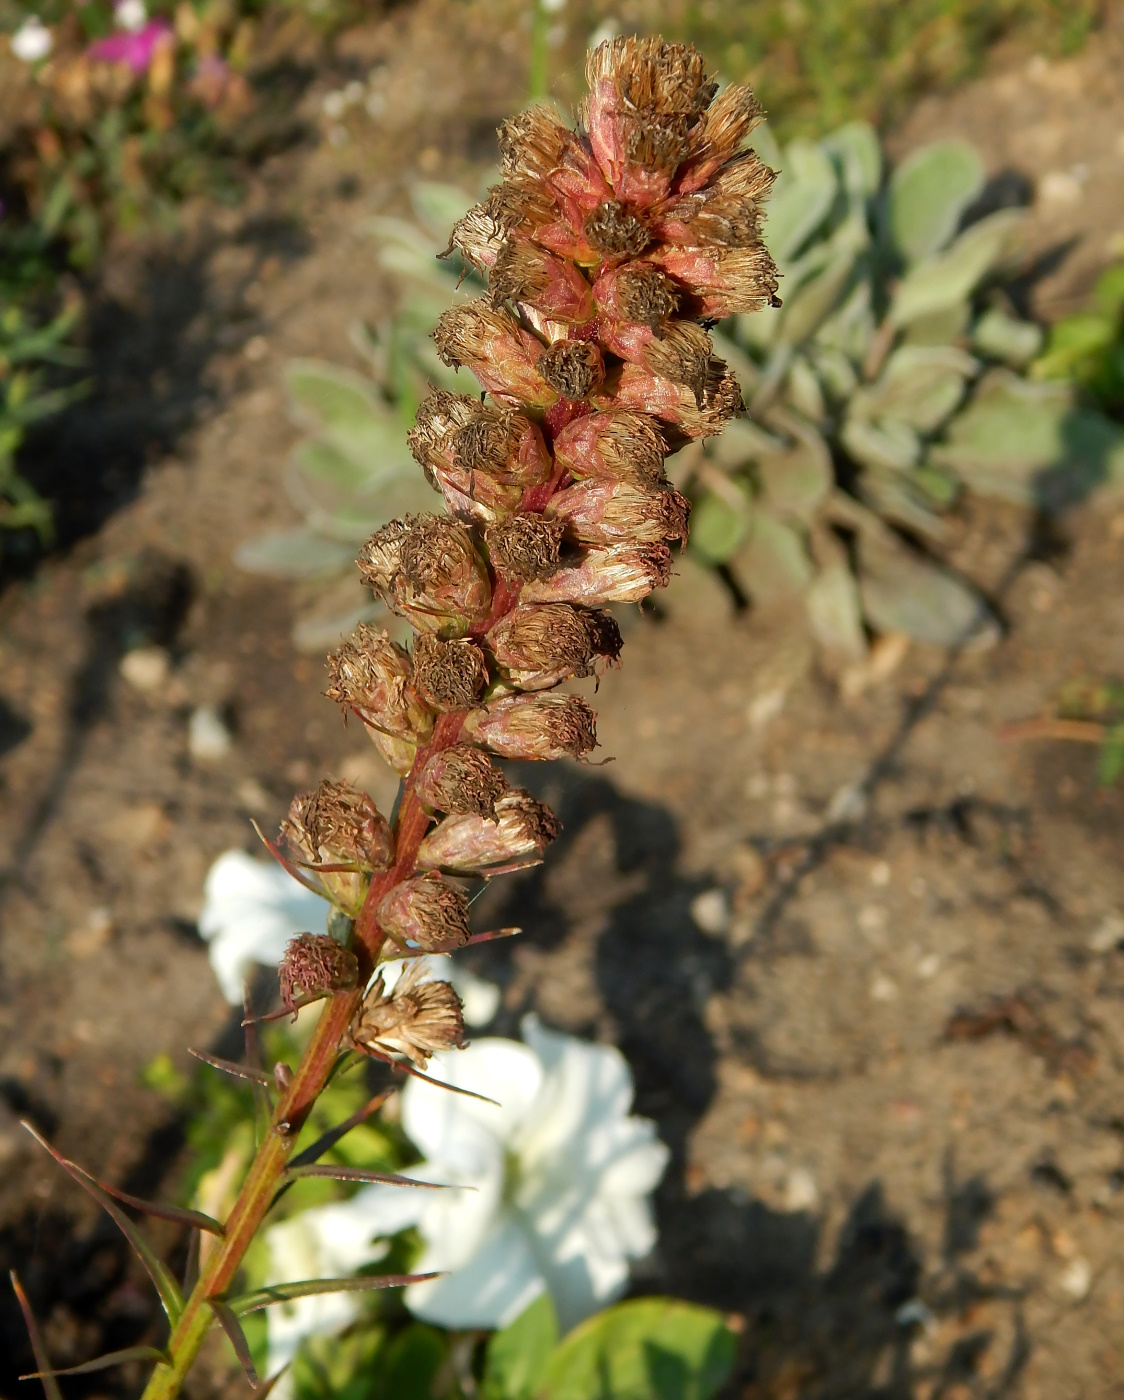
320, 1055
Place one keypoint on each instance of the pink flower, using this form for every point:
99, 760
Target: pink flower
134, 48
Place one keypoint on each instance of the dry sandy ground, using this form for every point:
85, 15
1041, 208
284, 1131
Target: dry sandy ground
866, 960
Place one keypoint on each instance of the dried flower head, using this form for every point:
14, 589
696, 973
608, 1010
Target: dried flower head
315, 965
372, 676
427, 569
526, 546
615, 446
461, 779
538, 645
476, 845
337, 831
415, 1020
625, 574
616, 512
449, 676
502, 355
535, 726
572, 368
526, 272
426, 913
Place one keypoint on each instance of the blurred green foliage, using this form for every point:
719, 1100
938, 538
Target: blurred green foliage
1088, 347
816, 65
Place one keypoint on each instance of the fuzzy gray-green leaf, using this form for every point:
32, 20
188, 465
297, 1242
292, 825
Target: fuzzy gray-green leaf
919, 385
928, 193
949, 277
1007, 338
856, 149
903, 592
800, 201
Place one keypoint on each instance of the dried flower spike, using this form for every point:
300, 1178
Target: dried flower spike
338, 832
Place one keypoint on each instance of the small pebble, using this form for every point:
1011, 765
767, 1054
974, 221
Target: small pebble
711, 911
800, 1190
883, 989
1077, 1278
145, 669
208, 738
1108, 933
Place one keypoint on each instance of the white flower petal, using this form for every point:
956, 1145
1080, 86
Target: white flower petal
502, 1070
499, 1281
250, 912
32, 41
480, 999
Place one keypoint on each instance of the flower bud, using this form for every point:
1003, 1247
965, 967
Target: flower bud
491, 343
338, 832
572, 368
525, 546
315, 965
372, 675
614, 447
449, 676
480, 234
427, 569
721, 282
639, 293
524, 272
626, 574
638, 388
474, 845
461, 779
535, 726
538, 645
646, 97
617, 513
416, 1020
425, 912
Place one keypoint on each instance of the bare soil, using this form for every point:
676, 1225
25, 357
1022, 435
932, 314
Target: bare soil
865, 958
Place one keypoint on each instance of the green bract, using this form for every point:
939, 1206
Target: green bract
890, 381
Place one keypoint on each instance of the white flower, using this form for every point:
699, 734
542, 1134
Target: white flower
131, 15
32, 40
559, 1177
251, 909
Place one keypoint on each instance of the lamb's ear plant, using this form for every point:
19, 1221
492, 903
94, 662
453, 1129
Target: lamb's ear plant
892, 381
604, 250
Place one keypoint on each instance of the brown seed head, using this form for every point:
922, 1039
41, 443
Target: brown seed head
425, 912
616, 231
416, 1020
315, 965
613, 446
618, 513
719, 136
524, 272
371, 675
338, 831
572, 368
525, 546
490, 342
475, 845
726, 212
539, 644
535, 726
625, 574
721, 282
639, 388
533, 144
638, 292
449, 676
682, 354
441, 584
461, 779
480, 234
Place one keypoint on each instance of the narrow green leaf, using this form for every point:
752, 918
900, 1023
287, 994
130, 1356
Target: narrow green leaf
516, 1359
310, 1288
237, 1338
158, 1271
103, 1363
38, 1348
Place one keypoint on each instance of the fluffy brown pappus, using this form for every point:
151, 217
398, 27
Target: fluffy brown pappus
726, 211
441, 584
449, 675
719, 136
638, 292
336, 824
461, 779
371, 674
537, 645
618, 513
616, 231
480, 234
426, 913
524, 272
572, 368
490, 342
682, 354
525, 546
474, 845
315, 965
640, 389
533, 144
415, 1020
